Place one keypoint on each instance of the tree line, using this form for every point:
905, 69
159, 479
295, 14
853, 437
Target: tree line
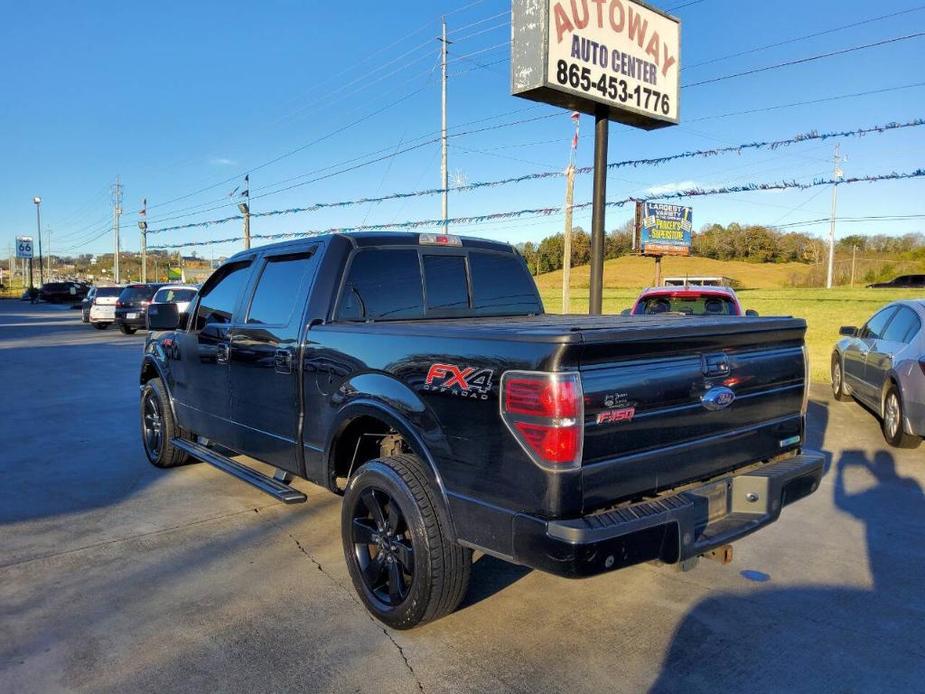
753, 243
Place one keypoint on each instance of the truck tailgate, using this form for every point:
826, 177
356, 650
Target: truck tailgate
666, 406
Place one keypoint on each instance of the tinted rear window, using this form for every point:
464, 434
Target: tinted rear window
137, 293
501, 285
165, 296
445, 279
383, 284
109, 291
278, 289
904, 326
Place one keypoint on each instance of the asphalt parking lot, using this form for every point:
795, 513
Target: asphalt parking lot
115, 575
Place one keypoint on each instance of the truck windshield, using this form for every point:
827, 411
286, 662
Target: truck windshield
387, 284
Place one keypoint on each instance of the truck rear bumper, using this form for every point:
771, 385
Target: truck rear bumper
670, 528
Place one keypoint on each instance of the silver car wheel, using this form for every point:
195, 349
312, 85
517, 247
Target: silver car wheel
836, 376
891, 415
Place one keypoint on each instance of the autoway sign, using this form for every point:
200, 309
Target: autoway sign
583, 54
23, 246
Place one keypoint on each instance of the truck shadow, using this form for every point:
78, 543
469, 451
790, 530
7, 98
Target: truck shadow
491, 576
772, 640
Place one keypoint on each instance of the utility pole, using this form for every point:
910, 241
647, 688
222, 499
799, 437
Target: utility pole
836, 174
567, 233
245, 208
854, 254
143, 226
38, 223
443, 163
116, 213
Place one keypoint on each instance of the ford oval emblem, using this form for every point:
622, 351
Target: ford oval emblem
717, 398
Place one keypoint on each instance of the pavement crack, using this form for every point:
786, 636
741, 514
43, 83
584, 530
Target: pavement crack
352, 595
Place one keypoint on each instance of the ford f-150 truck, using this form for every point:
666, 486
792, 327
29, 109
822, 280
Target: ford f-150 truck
419, 377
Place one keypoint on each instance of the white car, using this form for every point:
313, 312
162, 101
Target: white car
103, 310
180, 294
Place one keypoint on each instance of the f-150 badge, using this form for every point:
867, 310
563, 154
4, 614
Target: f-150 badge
464, 381
622, 414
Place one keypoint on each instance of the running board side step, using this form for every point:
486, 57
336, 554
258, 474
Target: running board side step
275, 488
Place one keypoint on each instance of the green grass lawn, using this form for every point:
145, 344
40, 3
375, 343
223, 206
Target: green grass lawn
824, 310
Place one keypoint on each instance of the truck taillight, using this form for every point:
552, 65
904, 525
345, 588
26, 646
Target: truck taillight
806, 381
545, 413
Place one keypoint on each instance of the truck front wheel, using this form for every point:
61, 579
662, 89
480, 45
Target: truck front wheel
403, 565
158, 427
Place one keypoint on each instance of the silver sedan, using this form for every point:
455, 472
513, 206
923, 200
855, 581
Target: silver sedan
882, 365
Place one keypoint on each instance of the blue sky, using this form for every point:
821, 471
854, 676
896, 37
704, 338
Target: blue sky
176, 97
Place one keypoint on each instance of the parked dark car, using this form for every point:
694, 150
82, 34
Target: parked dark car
86, 303
63, 292
901, 282
420, 377
132, 307
882, 364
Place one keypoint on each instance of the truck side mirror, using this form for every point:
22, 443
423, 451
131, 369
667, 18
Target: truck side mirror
848, 331
163, 317
751, 312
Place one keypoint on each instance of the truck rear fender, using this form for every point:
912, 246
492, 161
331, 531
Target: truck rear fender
379, 398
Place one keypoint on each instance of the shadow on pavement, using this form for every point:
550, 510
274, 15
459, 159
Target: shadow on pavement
770, 640
491, 576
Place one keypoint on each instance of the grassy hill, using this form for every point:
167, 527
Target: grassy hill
635, 272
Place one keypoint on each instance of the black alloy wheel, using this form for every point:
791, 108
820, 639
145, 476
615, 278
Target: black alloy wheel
158, 428
383, 547
405, 566
152, 424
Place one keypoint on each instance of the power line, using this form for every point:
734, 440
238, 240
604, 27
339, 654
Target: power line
803, 38
874, 218
652, 161
477, 219
357, 166
811, 58
807, 103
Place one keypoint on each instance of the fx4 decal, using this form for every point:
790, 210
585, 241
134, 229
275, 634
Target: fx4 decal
464, 381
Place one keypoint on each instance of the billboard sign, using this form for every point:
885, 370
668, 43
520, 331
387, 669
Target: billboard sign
581, 54
663, 229
23, 246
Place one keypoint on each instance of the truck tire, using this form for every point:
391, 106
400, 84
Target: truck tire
158, 427
127, 330
892, 422
838, 379
403, 566
101, 326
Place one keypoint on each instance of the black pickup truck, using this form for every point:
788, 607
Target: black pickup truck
420, 377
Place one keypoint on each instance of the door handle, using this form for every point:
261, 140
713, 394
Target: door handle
282, 361
221, 353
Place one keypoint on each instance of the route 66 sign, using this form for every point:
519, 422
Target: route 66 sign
23, 246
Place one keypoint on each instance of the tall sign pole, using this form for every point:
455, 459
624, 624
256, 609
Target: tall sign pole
598, 210
619, 62
567, 232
